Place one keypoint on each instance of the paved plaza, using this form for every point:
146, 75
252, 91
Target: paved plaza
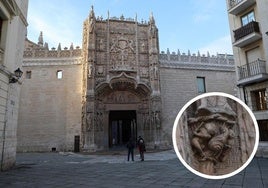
160, 169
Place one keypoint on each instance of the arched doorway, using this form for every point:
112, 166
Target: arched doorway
122, 126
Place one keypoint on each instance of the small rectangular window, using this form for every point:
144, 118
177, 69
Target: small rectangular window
28, 74
201, 85
59, 74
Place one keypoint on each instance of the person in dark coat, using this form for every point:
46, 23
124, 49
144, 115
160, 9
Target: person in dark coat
130, 146
141, 145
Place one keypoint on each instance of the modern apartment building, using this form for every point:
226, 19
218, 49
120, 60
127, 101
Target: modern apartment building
249, 31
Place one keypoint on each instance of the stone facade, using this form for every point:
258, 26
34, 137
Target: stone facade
13, 24
123, 87
249, 26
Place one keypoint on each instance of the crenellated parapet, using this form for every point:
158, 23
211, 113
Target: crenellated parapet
41, 50
196, 61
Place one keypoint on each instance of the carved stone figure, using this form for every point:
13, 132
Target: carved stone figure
215, 135
101, 44
157, 120
89, 126
212, 140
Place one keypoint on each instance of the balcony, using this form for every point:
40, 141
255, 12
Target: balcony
247, 34
238, 6
252, 72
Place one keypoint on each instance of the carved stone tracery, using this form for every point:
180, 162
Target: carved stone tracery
117, 64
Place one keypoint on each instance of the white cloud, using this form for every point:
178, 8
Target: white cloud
203, 11
221, 45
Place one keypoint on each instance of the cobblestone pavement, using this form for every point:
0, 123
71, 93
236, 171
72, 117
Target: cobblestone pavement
161, 169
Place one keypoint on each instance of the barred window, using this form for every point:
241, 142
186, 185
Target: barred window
259, 100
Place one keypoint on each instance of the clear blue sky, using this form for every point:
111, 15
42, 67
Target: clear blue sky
185, 25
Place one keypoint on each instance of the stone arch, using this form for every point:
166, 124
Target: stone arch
122, 94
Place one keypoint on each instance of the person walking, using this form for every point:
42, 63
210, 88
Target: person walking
130, 146
141, 146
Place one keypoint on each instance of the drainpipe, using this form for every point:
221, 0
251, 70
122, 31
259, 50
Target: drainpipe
244, 94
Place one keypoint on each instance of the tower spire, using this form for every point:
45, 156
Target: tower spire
152, 21
40, 39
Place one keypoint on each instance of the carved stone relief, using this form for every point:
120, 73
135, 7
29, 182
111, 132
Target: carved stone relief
121, 97
100, 71
122, 52
144, 72
89, 122
213, 126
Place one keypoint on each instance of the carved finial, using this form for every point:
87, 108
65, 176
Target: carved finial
179, 53
152, 21
59, 47
92, 14
108, 15
40, 39
208, 54
189, 53
122, 17
168, 52
198, 53
46, 46
72, 46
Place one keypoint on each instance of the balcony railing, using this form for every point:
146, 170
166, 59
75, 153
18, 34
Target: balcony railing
251, 69
238, 6
233, 3
246, 30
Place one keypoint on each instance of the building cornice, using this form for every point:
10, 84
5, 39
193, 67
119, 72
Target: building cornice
198, 66
52, 62
14, 10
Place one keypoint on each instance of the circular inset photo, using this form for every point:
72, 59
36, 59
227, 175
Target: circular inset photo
215, 135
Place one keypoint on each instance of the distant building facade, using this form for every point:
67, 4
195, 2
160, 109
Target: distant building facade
117, 86
13, 25
249, 30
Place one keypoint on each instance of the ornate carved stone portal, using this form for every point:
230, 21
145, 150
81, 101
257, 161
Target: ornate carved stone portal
215, 135
120, 65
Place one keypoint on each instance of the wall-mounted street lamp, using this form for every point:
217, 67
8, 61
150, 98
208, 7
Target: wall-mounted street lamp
16, 76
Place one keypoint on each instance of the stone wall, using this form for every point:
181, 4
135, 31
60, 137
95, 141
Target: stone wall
50, 111
179, 84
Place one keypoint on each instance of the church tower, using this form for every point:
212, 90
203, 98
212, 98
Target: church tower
121, 88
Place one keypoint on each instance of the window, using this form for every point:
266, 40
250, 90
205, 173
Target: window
28, 74
249, 17
201, 86
263, 127
259, 100
59, 74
